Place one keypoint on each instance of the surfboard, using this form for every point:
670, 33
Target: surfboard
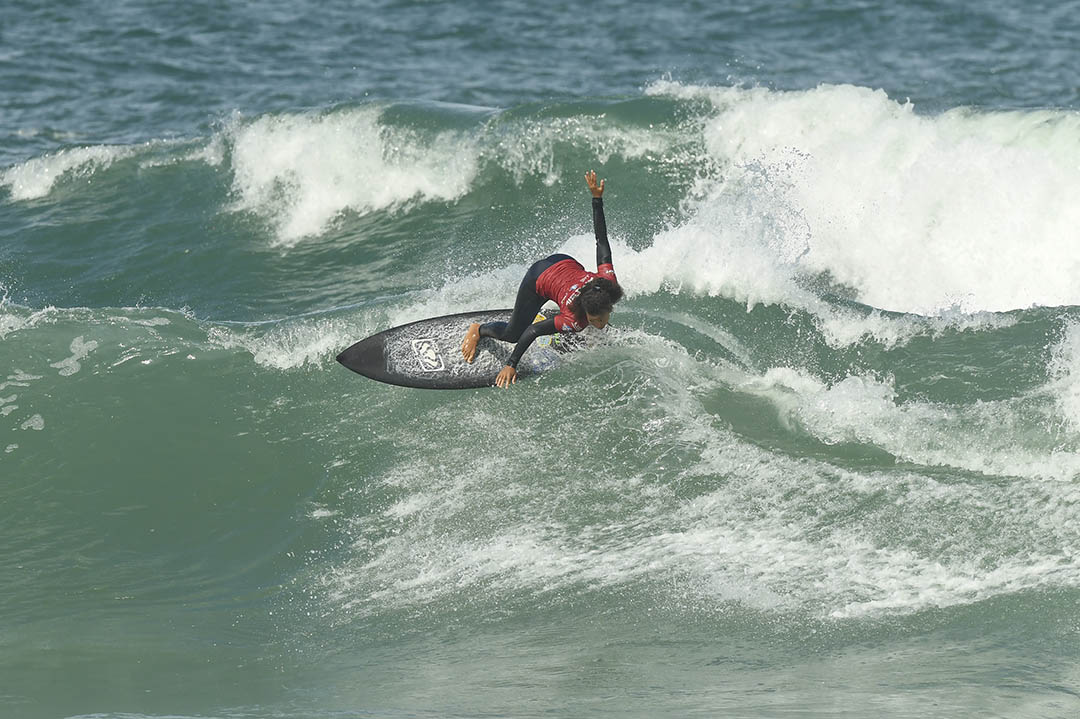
427, 354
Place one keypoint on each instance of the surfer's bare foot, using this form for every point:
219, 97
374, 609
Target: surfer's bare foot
468, 345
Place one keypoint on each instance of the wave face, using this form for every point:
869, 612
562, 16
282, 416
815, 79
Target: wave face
826, 456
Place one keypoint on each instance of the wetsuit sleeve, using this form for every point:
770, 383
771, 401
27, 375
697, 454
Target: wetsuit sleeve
603, 249
547, 327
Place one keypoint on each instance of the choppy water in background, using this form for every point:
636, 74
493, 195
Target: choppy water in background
824, 463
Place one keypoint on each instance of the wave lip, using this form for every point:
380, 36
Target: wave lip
34, 179
301, 171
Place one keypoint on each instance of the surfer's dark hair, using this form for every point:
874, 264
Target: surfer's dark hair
598, 297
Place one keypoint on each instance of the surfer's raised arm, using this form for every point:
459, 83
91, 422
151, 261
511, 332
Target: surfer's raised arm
604, 268
584, 298
603, 248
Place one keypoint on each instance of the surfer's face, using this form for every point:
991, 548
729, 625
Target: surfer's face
599, 321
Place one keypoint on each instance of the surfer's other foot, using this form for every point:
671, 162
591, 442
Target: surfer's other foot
468, 345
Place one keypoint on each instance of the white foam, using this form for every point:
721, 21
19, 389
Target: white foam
298, 342
302, 171
704, 257
80, 350
19, 379
967, 210
11, 323
900, 580
991, 437
14, 318
777, 533
35, 422
842, 328
410, 505
35, 178
1064, 372
148, 322
767, 530
889, 542
212, 153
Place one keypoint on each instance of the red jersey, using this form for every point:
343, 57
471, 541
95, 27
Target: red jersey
562, 283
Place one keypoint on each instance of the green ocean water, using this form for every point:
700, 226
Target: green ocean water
823, 463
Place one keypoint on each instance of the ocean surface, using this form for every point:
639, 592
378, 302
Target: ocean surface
825, 462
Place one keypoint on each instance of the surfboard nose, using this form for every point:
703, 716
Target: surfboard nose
365, 357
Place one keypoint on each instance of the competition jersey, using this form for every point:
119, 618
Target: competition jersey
562, 282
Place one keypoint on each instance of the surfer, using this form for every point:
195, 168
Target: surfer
584, 298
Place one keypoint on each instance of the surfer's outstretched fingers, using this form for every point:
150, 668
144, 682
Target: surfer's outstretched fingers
506, 377
590, 180
468, 345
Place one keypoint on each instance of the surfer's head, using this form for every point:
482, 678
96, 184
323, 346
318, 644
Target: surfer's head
596, 301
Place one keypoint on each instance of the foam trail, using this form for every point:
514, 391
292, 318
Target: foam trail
771, 531
992, 438
294, 343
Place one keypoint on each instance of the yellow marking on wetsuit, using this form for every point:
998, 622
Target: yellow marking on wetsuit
545, 340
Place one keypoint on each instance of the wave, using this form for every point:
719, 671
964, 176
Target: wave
709, 481
35, 178
782, 193
974, 421
920, 214
301, 171
788, 189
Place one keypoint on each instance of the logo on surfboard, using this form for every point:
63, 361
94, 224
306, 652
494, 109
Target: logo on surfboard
428, 353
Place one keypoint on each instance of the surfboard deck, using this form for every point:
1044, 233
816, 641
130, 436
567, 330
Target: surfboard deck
427, 354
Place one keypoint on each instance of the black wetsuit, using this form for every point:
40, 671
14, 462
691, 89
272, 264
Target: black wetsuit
520, 328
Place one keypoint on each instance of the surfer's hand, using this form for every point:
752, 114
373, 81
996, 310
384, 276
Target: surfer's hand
595, 189
507, 377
